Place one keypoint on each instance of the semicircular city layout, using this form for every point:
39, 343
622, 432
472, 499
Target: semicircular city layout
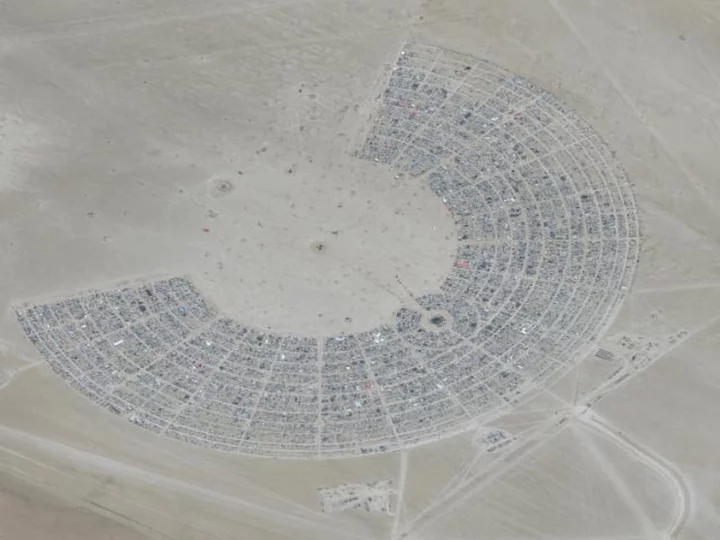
548, 241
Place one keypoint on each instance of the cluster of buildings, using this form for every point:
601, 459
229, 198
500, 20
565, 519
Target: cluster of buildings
373, 496
548, 240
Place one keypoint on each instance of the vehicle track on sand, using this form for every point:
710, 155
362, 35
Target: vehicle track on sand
596, 424
297, 516
474, 483
645, 455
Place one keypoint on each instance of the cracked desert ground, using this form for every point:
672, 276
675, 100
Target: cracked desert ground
233, 144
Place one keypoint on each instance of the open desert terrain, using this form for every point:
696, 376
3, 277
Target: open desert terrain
359, 270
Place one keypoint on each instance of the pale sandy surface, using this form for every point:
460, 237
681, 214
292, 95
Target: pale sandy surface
115, 120
29, 512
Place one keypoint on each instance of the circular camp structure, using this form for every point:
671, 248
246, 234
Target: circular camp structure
543, 246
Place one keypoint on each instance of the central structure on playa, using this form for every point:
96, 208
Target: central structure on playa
548, 240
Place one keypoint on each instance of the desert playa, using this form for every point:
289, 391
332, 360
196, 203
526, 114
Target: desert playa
440, 270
